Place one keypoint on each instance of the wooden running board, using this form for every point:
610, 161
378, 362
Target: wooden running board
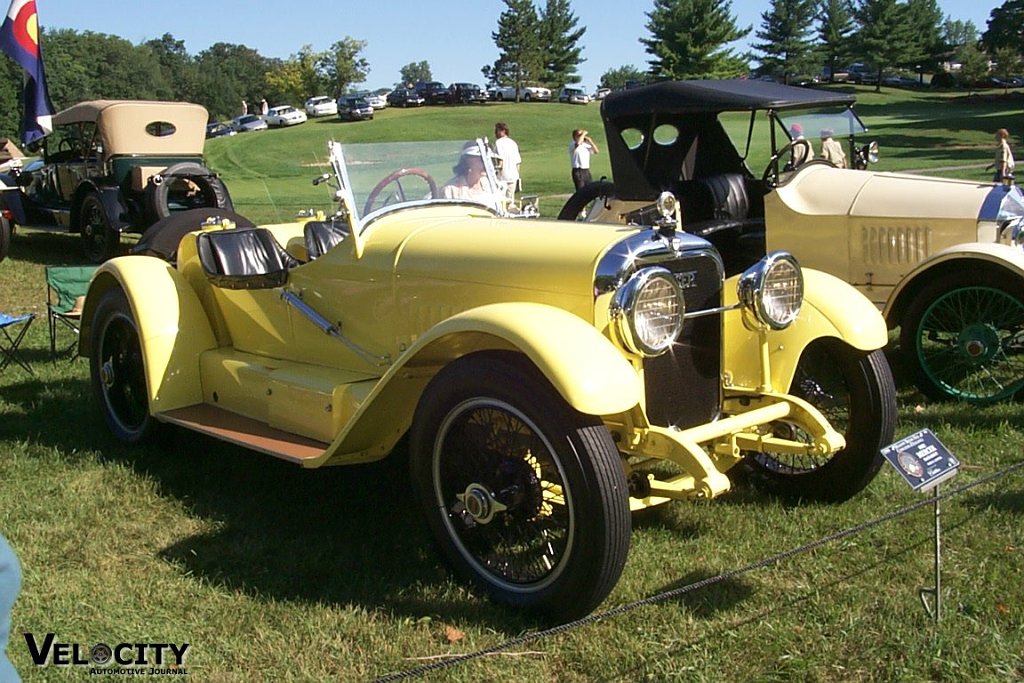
244, 431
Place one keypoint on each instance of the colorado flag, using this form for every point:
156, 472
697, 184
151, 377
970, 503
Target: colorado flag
19, 40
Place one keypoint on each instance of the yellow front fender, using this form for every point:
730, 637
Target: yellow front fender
584, 366
173, 327
831, 308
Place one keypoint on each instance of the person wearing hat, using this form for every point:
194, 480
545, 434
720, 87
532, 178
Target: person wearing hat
831, 150
800, 153
470, 181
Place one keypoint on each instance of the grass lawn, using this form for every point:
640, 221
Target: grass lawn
270, 572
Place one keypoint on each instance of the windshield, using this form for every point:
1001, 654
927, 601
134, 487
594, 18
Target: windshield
841, 123
385, 176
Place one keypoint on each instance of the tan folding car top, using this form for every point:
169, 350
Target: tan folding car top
142, 127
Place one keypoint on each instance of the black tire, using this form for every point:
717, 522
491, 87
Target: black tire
6, 228
117, 369
578, 205
526, 497
962, 337
100, 241
856, 393
166, 190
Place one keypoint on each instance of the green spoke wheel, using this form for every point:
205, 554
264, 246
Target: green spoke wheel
964, 339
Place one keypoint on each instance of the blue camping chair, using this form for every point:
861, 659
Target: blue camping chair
14, 329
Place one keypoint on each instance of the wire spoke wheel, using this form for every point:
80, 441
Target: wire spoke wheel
503, 491
970, 343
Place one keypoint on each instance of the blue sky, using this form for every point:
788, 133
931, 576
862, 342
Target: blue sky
453, 37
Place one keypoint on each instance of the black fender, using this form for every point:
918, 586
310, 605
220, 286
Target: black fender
13, 200
113, 205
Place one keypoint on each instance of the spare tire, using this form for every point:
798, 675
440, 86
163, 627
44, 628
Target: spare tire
185, 186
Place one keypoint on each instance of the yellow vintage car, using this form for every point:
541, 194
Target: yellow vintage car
942, 259
551, 376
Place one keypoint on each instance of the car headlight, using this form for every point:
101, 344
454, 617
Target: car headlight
773, 289
648, 311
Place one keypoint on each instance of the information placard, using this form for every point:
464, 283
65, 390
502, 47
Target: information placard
922, 460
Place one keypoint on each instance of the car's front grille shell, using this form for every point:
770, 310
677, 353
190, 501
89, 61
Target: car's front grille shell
683, 386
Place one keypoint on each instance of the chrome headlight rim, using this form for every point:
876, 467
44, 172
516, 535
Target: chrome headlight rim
626, 315
754, 293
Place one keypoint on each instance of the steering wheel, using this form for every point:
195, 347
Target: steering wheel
772, 169
399, 192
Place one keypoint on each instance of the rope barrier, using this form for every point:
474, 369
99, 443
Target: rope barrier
703, 583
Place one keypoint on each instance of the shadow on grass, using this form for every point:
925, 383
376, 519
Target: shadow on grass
338, 535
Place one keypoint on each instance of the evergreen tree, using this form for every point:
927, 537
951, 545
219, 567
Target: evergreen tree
560, 41
956, 33
177, 66
925, 20
519, 50
835, 29
885, 35
688, 38
787, 49
1005, 26
228, 74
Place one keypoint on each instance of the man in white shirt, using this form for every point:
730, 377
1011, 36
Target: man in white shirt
508, 151
580, 150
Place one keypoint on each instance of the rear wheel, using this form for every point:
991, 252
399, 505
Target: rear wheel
579, 205
963, 337
855, 391
117, 369
100, 240
5, 237
526, 497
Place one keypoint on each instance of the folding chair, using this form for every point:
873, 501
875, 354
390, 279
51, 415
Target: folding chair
14, 329
66, 287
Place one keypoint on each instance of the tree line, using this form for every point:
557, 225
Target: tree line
687, 39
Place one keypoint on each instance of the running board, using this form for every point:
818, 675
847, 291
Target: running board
243, 431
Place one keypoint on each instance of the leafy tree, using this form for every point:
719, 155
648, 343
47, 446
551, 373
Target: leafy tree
886, 37
297, 78
973, 65
228, 74
688, 38
560, 41
177, 67
343, 66
413, 72
785, 31
1005, 26
617, 79
1007, 61
10, 98
835, 28
518, 41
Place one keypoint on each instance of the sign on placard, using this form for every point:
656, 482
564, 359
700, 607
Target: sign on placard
922, 460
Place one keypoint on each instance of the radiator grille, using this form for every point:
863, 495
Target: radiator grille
683, 386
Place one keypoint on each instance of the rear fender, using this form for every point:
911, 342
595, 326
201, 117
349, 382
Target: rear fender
13, 200
173, 327
587, 370
831, 308
110, 197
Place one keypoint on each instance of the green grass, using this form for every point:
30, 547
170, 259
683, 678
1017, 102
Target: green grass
275, 573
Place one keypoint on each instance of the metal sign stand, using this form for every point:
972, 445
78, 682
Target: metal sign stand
934, 608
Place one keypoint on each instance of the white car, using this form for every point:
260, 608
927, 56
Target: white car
321, 105
573, 96
284, 115
528, 93
377, 101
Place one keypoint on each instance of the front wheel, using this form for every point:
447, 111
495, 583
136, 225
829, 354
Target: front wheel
526, 497
100, 240
117, 369
963, 337
856, 393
